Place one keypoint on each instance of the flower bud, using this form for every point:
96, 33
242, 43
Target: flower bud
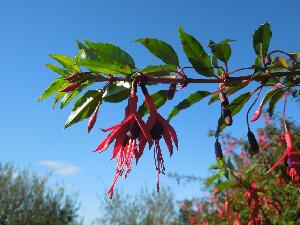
253, 145
71, 87
218, 150
257, 114
227, 116
73, 76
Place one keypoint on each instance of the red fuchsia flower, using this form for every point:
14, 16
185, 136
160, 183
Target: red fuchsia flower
254, 203
291, 158
159, 128
192, 220
126, 136
237, 221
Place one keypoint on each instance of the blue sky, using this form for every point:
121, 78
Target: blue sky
32, 134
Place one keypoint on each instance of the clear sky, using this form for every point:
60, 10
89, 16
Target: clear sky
32, 134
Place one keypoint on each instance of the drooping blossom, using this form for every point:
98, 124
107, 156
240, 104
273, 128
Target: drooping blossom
237, 221
126, 135
291, 158
159, 128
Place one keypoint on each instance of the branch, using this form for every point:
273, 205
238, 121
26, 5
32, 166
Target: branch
169, 80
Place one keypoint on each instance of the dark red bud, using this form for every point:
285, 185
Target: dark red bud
172, 90
73, 76
227, 116
253, 145
223, 99
71, 87
218, 150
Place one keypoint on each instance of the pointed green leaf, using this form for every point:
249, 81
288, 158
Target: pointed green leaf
226, 184
117, 92
160, 49
221, 50
110, 68
67, 62
159, 70
235, 107
189, 101
54, 87
58, 96
159, 99
261, 39
111, 53
68, 97
58, 70
84, 106
196, 54
274, 100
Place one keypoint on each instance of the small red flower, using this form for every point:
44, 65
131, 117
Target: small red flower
126, 136
291, 157
159, 128
237, 221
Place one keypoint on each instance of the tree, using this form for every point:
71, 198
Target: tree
276, 70
26, 199
142, 209
239, 190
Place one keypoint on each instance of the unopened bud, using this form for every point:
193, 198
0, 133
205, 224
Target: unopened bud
73, 76
257, 114
218, 150
253, 145
71, 87
227, 116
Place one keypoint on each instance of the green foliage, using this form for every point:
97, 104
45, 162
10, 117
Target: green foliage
26, 199
189, 101
159, 99
195, 53
279, 198
142, 209
161, 50
261, 39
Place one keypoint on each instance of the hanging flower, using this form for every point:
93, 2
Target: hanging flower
237, 221
159, 128
291, 158
126, 136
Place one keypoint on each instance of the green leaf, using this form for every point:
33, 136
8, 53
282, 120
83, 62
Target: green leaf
159, 70
84, 106
88, 52
67, 62
117, 92
68, 97
58, 96
58, 70
229, 90
226, 184
221, 50
105, 67
196, 54
261, 39
160, 49
159, 99
189, 101
111, 53
54, 87
274, 100
235, 107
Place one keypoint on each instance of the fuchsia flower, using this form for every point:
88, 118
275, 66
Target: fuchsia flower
159, 128
291, 158
126, 136
237, 221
